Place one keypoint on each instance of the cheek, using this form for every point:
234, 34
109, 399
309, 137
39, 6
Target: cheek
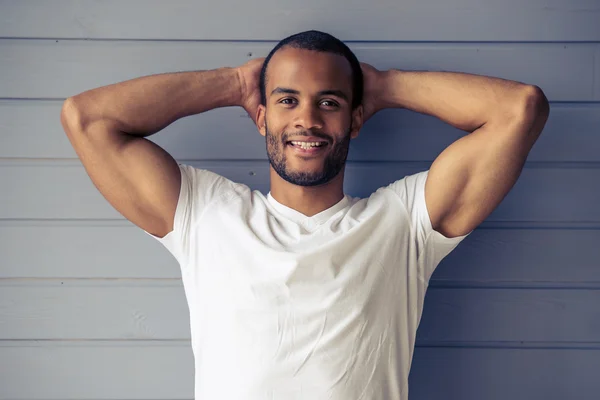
339, 120
272, 123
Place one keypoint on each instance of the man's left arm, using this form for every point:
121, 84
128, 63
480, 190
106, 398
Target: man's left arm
468, 180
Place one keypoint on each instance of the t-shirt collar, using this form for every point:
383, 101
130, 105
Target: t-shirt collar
297, 216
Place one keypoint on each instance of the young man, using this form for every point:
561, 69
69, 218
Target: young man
306, 293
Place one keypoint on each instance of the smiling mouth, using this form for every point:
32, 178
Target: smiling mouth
304, 148
305, 145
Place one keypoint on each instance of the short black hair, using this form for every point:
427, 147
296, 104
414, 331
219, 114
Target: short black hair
323, 42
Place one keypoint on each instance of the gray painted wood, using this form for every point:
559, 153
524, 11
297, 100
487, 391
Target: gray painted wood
509, 20
109, 370
92, 308
82, 249
501, 373
597, 73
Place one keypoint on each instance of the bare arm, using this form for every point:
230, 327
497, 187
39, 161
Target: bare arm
472, 176
107, 126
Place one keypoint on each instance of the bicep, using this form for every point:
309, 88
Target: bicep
470, 178
136, 176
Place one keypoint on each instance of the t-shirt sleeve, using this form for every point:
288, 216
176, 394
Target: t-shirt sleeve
199, 187
431, 245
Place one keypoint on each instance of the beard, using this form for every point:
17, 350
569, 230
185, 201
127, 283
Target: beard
332, 164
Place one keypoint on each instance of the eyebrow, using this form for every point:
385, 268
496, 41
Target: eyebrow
332, 92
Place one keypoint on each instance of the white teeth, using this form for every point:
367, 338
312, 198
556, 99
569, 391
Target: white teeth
307, 145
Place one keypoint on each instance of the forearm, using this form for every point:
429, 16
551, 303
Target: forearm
463, 100
145, 105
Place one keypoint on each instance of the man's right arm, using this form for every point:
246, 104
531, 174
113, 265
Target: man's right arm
107, 127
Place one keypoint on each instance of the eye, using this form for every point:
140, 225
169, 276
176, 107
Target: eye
287, 100
331, 103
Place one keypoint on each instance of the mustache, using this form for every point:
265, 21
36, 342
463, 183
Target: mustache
287, 135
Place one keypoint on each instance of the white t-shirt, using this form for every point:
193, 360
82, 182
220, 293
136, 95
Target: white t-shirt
284, 306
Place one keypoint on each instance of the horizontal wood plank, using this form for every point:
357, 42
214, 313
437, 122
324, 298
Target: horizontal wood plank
523, 258
597, 73
91, 371
500, 374
535, 20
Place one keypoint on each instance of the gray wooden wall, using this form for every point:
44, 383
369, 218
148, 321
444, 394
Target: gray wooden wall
92, 308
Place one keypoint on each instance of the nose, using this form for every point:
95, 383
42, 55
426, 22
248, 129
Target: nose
308, 117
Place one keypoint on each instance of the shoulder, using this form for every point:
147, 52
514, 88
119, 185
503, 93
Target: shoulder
410, 189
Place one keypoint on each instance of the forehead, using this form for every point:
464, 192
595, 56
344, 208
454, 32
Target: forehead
308, 71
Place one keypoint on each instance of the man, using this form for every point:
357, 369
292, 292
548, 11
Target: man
306, 293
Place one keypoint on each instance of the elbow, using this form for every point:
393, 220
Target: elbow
532, 113
71, 116
534, 105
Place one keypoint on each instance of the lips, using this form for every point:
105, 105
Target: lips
308, 139
309, 151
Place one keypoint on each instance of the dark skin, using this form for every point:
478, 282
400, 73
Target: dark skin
320, 105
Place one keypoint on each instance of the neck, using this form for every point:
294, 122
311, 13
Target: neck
308, 200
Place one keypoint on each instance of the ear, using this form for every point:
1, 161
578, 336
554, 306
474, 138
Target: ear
356, 121
261, 115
